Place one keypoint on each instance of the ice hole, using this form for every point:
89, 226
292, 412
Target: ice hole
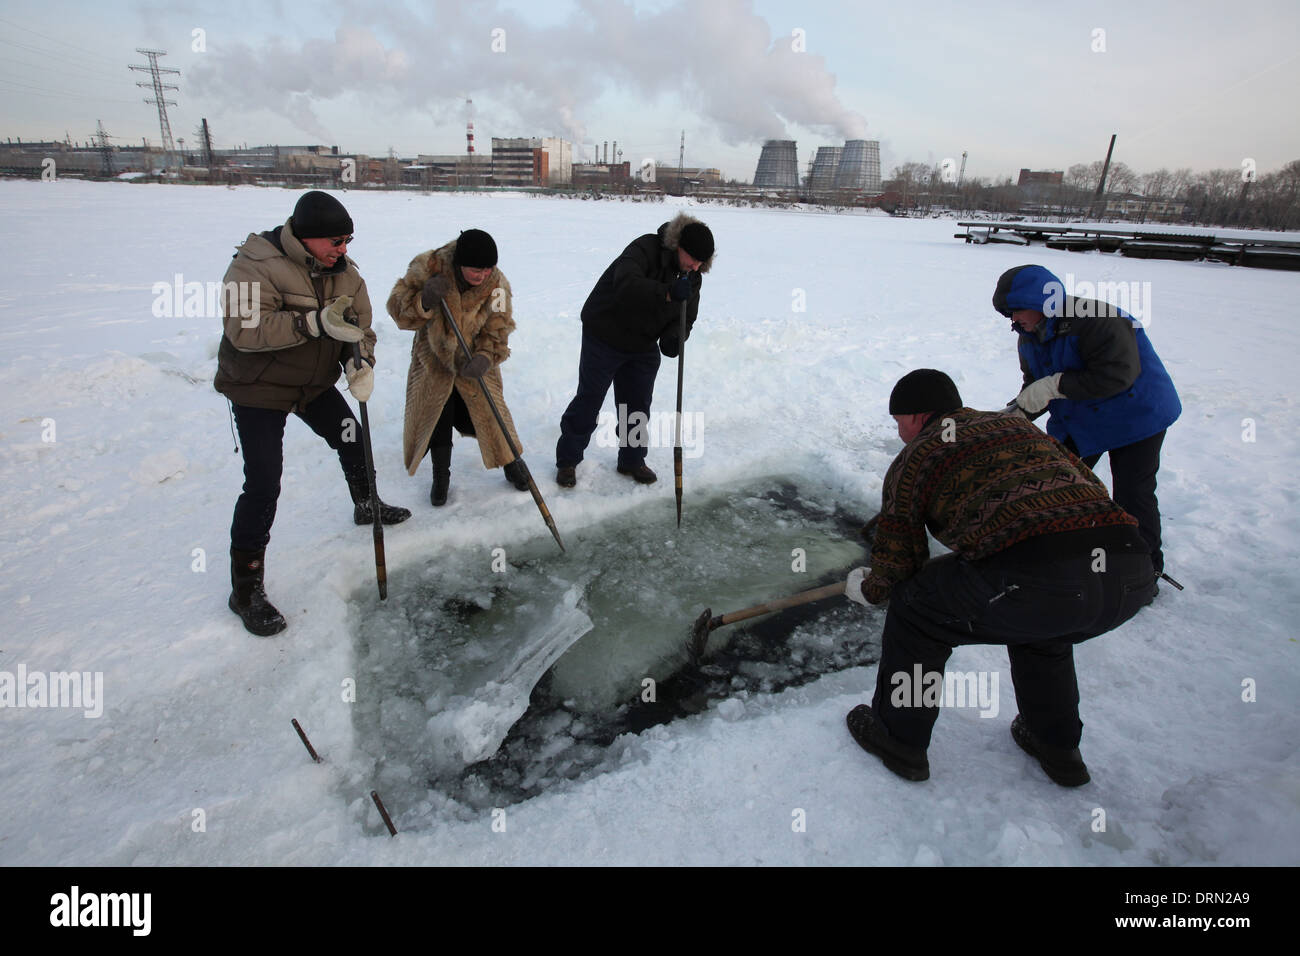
478, 688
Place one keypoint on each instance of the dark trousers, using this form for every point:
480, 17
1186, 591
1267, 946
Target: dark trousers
1133, 474
455, 415
633, 375
261, 437
1037, 604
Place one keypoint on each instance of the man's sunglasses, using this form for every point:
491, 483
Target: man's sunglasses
341, 242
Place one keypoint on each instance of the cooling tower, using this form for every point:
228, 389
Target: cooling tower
778, 165
824, 166
859, 166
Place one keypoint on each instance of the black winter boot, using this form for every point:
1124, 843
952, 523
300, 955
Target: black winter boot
1064, 767
910, 763
640, 471
248, 599
441, 475
361, 513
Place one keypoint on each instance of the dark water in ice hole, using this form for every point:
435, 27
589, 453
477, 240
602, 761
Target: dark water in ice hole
632, 586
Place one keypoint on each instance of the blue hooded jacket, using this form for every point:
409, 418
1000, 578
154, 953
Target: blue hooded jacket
1117, 390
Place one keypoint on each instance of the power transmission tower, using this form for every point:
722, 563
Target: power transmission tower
105, 150
205, 143
155, 71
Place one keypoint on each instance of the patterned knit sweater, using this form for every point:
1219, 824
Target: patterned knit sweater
980, 482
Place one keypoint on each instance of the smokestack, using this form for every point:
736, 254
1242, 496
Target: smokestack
824, 166
778, 165
859, 166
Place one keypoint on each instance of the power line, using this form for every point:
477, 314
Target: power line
81, 50
28, 90
62, 65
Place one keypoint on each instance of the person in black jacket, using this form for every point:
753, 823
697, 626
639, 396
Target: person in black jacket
631, 316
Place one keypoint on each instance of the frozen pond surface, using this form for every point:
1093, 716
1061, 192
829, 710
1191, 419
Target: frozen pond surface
488, 677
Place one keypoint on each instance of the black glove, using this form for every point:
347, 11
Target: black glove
476, 366
680, 290
431, 294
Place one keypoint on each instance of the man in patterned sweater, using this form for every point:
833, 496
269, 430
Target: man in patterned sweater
1042, 559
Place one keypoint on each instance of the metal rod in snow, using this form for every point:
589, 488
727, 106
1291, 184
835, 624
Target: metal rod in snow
388, 821
677, 445
376, 523
505, 432
305, 742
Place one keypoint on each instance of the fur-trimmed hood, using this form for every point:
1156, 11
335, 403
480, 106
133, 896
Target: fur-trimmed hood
670, 234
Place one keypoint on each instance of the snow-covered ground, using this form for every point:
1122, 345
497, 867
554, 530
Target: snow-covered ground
116, 460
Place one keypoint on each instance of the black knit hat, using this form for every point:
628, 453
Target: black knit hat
697, 240
319, 215
924, 390
475, 249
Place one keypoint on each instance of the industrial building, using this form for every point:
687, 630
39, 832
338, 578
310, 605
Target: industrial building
778, 165
591, 175
74, 160
853, 167
1052, 177
827, 160
535, 161
457, 171
859, 166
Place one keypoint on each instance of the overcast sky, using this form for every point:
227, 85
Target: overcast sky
1043, 85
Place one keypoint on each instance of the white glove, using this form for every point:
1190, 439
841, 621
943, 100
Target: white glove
361, 381
329, 321
1037, 394
1014, 409
853, 585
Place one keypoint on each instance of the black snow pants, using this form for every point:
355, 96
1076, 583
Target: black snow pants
1133, 476
1039, 598
261, 436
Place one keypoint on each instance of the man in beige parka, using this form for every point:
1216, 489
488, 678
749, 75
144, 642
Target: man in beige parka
294, 305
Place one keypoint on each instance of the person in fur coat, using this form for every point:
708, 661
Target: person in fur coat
631, 316
442, 387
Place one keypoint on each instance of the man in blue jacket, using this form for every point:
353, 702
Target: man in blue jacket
1093, 368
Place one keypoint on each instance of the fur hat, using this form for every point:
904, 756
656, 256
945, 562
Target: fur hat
318, 215
924, 390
